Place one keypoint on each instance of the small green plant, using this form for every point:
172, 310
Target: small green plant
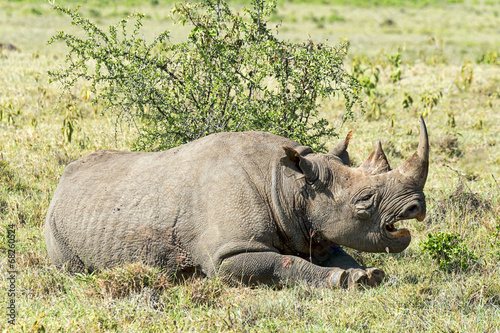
368, 78
489, 57
319, 20
430, 99
36, 11
69, 123
395, 61
335, 17
7, 112
479, 125
437, 56
451, 122
232, 74
450, 251
467, 75
407, 101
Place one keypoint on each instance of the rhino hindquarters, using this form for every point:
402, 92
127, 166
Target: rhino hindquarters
59, 253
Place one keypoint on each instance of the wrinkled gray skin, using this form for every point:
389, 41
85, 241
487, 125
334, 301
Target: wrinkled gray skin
250, 207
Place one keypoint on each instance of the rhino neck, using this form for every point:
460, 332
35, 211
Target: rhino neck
288, 208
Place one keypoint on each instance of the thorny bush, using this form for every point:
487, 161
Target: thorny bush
232, 74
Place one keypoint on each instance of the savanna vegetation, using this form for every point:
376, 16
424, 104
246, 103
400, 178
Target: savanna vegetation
440, 59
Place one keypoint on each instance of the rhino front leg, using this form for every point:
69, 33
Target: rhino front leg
335, 256
272, 268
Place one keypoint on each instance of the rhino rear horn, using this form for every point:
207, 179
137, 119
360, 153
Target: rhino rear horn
416, 168
377, 162
340, 150
308, 167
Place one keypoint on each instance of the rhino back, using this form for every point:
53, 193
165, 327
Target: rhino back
185, 208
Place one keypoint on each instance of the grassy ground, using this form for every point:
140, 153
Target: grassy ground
448, 72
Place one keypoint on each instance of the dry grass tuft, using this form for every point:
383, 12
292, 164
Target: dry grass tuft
32, 259
449, 146
45, 282
461, 204
9, 179
124, 281
205, 292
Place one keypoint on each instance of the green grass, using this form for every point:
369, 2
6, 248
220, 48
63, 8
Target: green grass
441, 49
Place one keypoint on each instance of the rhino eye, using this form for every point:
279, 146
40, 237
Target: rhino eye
366, 197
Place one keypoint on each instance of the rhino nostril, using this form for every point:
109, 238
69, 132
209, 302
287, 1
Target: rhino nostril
413, 209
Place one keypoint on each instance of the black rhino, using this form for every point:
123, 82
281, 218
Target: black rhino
250, 207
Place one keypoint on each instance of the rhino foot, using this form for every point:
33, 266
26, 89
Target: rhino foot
339, 278
354, 277
370, 277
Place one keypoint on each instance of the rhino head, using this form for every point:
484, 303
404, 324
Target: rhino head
360, 207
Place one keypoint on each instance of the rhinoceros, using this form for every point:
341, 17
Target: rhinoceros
251, 208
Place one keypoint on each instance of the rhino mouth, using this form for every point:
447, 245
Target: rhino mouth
394, 232
414, 210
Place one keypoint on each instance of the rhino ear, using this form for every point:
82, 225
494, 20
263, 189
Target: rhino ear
340, 150
297, 155
377, 162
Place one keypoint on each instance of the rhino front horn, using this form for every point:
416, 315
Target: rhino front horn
415, 169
